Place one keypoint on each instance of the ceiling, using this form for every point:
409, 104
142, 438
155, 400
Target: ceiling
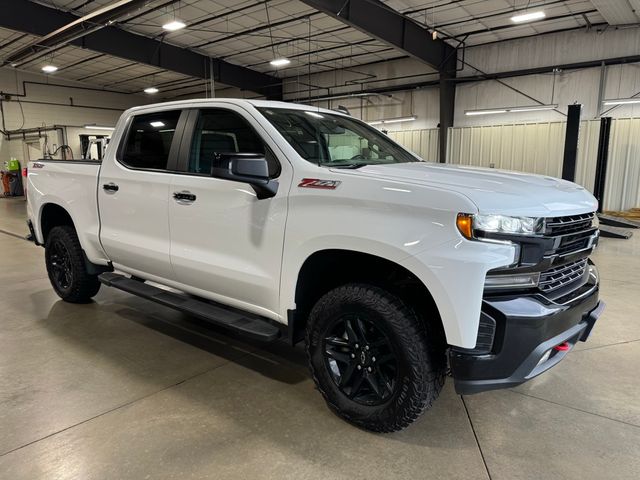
251, 33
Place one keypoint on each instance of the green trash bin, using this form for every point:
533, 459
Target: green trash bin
13, 165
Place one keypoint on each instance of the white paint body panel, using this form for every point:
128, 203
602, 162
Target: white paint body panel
247, 253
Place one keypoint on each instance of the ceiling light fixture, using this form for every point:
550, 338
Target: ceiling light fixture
528, 17
49, 68
495, 111
533, 108
621, 101
98, 127
393, 120
151, 90
280, 62
484, 112
174, 25
156, 124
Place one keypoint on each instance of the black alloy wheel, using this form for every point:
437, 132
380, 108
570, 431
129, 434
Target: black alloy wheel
372, 357
361, 360
60, 263
67, 266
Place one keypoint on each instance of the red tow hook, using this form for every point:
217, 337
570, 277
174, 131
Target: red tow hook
562, 347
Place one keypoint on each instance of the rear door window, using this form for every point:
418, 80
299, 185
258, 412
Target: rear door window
149, 140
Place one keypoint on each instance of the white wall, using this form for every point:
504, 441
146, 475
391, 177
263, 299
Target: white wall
44, 101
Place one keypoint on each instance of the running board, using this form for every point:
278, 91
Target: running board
244, 323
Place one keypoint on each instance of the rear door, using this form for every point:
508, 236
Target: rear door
226, 243
133, 194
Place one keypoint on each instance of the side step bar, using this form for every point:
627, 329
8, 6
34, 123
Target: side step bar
244, 323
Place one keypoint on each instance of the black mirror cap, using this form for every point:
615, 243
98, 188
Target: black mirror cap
242, 165
251, 168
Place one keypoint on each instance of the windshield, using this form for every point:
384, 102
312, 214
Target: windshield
334, 140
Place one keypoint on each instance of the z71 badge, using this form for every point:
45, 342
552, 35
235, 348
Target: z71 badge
318, 183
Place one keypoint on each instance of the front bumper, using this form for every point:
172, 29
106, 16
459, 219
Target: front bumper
528, 328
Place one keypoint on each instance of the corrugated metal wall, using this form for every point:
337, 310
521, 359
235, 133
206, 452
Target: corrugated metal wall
622, 189
538, 148
422, 142
534, 147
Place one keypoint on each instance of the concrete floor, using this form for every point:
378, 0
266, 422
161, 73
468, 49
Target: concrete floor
122, 388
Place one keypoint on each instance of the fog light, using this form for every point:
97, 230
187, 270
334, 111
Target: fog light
520, 280
544, 358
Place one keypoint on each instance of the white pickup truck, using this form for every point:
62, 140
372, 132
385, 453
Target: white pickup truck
288, 222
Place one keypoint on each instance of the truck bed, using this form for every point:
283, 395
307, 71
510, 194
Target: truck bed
72, 185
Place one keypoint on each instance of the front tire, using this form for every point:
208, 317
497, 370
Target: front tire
66, 266
371, 359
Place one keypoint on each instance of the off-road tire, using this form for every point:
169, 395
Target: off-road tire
421, 363
81, 285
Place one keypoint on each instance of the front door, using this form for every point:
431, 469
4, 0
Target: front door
133, 195
225, 242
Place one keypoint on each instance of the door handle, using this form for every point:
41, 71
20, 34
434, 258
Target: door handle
110, 187
184, 197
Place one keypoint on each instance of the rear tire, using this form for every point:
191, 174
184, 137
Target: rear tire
371, 359
66, 266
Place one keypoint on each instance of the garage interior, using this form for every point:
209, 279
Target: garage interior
124, 388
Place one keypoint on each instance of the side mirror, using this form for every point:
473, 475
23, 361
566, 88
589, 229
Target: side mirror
250, 168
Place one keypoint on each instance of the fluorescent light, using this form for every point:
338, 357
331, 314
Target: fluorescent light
156, 124
151, 90
393, 120
621, 101
49, 68
174, 25
529, 108
280, 62
534, 108
399, 120
98, 127
528, 17
484, 112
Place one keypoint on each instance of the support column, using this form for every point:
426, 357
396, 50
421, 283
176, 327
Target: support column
447, 106
602, 160
571, 143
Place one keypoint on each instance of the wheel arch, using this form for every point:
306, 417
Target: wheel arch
326, 269
53, 215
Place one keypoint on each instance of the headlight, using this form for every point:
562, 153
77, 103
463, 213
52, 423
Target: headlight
467, 224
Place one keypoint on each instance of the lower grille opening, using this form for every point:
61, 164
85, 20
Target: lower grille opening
561, 276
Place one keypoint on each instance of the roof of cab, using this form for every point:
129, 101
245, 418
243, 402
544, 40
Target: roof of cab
232, 101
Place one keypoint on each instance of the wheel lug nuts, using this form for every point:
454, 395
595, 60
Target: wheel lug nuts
357, 346
359, 367
353, 355
369, 369
366, 347
373, 359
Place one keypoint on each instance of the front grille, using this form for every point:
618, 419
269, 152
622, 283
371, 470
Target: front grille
561, 276
572, 233
573, 223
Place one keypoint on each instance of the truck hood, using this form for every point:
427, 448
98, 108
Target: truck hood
493, 191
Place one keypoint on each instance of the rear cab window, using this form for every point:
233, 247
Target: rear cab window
149, 139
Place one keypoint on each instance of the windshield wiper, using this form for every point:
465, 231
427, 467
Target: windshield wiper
344, 165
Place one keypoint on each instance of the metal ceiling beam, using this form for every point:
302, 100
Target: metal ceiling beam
76, 28
390, 26
36, 19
